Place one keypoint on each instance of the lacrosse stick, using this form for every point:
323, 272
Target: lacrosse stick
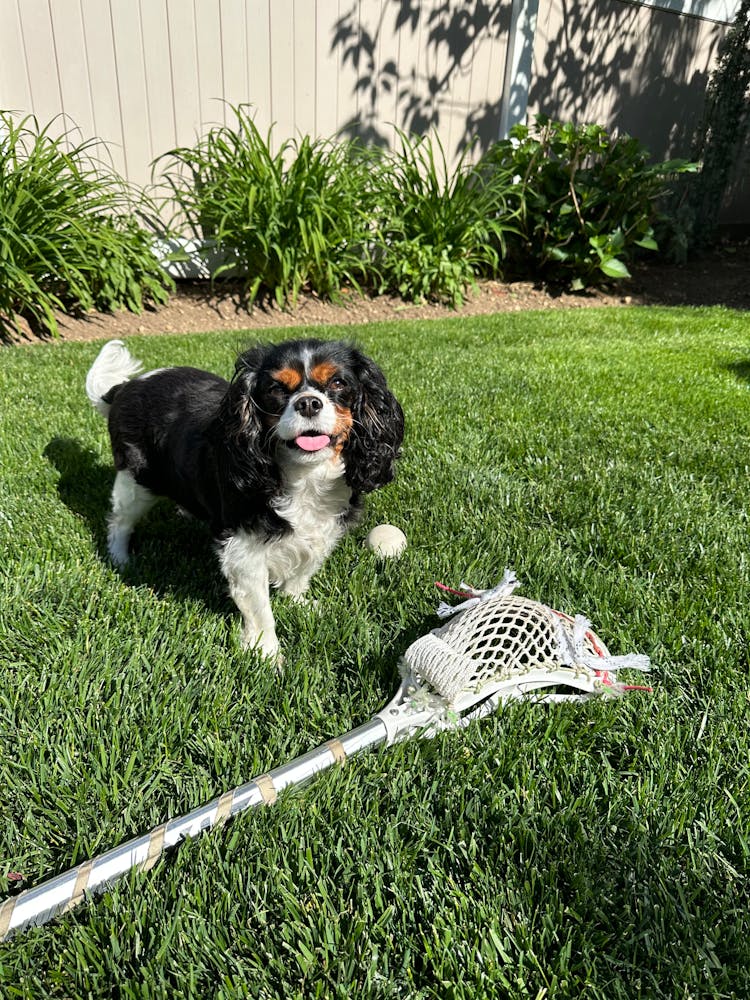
496, 646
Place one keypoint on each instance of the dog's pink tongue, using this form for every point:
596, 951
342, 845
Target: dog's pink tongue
309, 442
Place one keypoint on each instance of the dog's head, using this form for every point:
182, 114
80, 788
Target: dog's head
304, 402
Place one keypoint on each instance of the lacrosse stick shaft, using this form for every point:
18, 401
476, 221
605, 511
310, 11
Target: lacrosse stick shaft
41, 903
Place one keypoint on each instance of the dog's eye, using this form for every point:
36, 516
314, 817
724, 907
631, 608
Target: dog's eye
337, 383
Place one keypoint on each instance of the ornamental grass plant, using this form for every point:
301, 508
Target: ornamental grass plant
299, 217
438, 227
72, 234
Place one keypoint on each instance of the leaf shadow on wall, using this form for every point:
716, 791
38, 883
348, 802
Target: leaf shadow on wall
411, 61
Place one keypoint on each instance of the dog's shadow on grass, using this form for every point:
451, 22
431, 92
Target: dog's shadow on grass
740, 370
171, 554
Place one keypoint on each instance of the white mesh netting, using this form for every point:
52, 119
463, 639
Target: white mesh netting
497, 637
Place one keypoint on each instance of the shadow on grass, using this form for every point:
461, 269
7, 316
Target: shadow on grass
740, 370
172, 554
84, 485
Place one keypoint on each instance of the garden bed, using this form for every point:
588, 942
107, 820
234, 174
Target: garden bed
721, 277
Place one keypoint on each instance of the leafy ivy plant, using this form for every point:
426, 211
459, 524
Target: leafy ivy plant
722, 133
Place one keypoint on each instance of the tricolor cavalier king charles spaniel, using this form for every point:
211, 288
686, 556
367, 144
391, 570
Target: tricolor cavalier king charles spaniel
275, 461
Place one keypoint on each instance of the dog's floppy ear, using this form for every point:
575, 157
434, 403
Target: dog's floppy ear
375, 440
250, 465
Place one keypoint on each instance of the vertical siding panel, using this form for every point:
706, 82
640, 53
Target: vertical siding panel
344, 93
158, 76
359, 110
303, 15
131, 83
356, 111
484, 63
233, 53
184, 61
327, 119
258, 34
105, 99
496, 82
391, 116
386, 52
72, 67
41, 60
208, 45
456, 100
449, 80
282, 69
15, 94
411, 49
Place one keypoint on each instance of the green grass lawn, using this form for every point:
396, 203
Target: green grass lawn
588, 850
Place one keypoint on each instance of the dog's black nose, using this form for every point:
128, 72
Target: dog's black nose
308, 406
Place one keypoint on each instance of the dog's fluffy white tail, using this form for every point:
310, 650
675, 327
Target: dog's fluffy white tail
113, 366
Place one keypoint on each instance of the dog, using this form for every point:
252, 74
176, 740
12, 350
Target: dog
275, 461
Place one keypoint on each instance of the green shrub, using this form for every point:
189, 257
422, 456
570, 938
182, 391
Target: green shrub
438, 229
69, 236
586, 200
294, 219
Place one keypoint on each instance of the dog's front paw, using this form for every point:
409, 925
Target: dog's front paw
118, 551
266, 645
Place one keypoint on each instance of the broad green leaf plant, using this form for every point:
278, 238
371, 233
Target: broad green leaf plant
586, 199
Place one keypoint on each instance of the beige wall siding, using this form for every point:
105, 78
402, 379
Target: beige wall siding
426, 65
640, 70
148, 75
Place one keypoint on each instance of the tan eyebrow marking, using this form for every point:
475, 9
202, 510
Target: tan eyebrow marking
288, 377
322, 373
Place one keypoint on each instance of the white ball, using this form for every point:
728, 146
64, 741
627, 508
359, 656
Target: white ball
386, 540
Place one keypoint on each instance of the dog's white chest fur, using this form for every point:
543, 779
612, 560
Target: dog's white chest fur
314, 499
313, 503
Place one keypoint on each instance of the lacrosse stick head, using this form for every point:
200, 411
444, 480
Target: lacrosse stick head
498, 643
